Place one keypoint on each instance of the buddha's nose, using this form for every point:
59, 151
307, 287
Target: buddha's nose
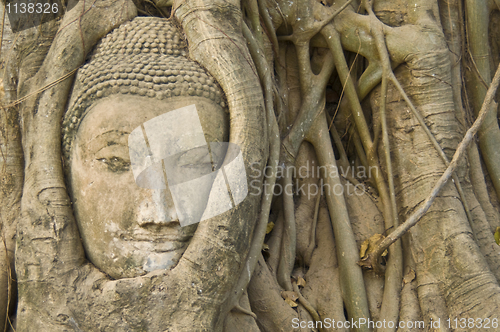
157, 209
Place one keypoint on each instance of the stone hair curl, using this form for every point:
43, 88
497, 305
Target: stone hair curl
146, 57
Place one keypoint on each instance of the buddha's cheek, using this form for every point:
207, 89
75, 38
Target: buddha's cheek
106, 205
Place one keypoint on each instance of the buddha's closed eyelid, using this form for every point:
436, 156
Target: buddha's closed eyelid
115, 164
114, 156
111, 148
195, 157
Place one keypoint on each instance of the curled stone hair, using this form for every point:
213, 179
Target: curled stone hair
146, 57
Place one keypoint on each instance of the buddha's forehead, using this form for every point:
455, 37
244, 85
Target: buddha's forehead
119, 115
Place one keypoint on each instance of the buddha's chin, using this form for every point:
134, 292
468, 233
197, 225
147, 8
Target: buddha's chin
129, 259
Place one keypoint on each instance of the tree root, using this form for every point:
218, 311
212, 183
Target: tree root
312, 236
314, 314
393, 276
260, 230
266, 301
245, 311
478, 46
374, 258
288, 241
479, 187
352, 283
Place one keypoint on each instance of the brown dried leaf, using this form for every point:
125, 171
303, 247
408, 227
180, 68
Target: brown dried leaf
270, 227
291, 303
409, 277
301, 282
364, 248
289, 295
369, 245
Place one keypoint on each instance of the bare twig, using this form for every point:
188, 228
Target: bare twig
42, 89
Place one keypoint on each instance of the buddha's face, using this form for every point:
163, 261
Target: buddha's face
128, 230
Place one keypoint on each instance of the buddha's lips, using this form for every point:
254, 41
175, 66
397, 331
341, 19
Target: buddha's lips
154, 237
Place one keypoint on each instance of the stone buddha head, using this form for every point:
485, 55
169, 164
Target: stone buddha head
135, 125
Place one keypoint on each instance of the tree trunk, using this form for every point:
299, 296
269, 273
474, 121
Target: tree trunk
347, 114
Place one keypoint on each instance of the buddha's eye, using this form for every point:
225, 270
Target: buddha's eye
198, 158
202, 167
115, 164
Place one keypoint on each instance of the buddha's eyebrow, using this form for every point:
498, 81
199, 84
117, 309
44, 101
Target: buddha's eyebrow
107, 138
